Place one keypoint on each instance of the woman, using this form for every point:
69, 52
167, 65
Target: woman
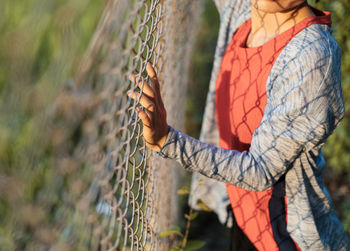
274, 98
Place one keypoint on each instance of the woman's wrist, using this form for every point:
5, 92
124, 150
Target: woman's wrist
159, 146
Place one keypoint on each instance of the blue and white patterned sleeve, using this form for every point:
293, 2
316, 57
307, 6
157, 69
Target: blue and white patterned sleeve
304, 105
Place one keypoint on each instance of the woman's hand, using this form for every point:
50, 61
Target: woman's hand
153, 116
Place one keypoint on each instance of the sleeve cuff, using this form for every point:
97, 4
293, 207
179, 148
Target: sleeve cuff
166, 150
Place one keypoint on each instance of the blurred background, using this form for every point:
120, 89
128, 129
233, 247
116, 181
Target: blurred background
41, 45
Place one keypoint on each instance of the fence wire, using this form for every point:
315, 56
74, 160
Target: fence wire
105, 190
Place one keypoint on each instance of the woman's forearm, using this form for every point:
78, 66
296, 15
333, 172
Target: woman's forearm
238, 168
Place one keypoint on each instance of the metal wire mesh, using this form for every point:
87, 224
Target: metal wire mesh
131, 198
106, 190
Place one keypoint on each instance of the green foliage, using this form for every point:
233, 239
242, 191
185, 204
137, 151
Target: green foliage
203, 206
183, 190
337, 149
192, 216
182, 243
346, 220
194, 245
173, 231
41, 44
202, 62
191, 246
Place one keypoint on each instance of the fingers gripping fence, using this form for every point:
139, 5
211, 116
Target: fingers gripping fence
108, 192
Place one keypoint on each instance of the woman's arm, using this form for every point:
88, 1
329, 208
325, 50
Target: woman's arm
304, 105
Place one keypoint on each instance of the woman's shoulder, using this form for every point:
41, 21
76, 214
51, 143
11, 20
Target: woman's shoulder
315, 42
307, 71
312, 50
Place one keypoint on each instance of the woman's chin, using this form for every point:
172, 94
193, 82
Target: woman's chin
274, 6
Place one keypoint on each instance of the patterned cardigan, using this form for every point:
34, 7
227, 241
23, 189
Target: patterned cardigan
304, 105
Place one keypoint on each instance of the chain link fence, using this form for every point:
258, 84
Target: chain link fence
95, 186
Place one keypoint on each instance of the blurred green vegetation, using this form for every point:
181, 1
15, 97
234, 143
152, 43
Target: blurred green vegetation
41, 43
202, 61
337, 148
40, 46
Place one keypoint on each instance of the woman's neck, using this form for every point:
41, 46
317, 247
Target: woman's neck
266, 26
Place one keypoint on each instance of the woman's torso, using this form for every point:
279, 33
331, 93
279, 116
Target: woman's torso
240, 99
